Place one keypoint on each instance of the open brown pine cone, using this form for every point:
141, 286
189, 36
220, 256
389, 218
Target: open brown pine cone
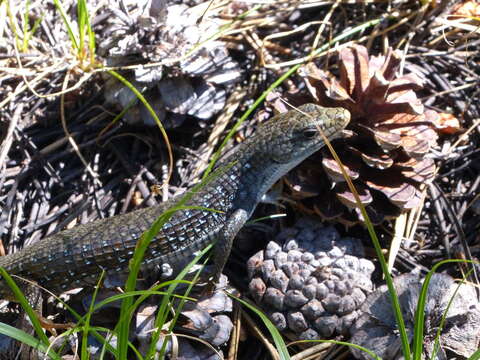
385, 151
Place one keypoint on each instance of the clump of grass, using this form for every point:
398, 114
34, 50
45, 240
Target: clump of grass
84, 50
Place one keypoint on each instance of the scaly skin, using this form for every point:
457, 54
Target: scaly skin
76, 257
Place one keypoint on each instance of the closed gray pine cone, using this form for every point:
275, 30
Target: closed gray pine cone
310, 281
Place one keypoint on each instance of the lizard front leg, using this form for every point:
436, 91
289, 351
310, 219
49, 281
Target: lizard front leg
225, 241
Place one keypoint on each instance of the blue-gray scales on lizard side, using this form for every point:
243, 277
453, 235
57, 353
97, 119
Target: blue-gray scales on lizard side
76, 257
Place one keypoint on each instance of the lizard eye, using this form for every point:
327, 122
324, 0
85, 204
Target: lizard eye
310, 133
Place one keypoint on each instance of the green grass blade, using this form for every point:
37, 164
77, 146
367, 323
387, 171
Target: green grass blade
142, 296
126, 308
276, 336
88, 317
91, 38
85, 28
475, 355
441, 326
144, 293
162, 312
140, 97
26, 27
117, 117
25, 305
93, 330
104, 347
105, 341
81, 321
419, 320
81, 21
31, 32
26, 339
68, 24
383, 263
389, 281
179, 308
13, 25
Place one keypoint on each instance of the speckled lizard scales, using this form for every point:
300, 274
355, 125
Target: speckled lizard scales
76, 257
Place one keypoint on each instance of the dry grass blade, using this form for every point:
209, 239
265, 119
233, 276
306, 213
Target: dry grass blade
413, 219
285, 35
7, 137
256, 332
198, 340
398, 236
236, 333
313, 352
69, 136
42, 75
465, 135
31, 85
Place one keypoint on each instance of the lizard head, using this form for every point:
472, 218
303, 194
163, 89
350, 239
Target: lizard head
292, 136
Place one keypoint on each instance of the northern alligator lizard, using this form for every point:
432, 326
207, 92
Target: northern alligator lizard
76, 257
